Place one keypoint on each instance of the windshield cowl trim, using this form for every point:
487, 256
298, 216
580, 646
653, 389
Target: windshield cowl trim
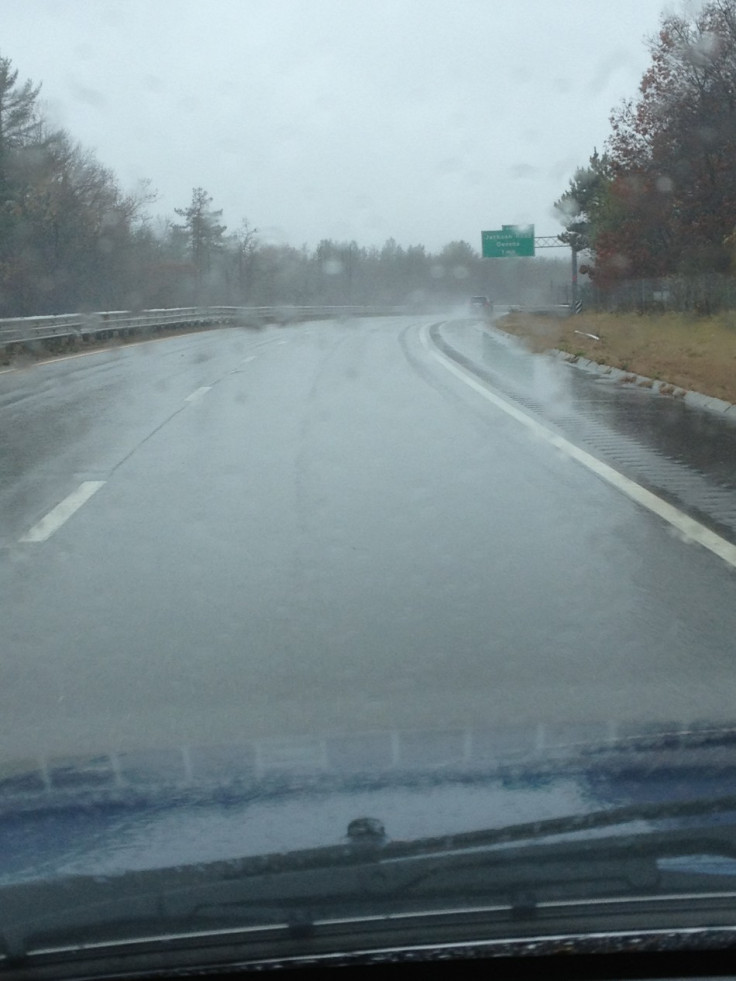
202, 949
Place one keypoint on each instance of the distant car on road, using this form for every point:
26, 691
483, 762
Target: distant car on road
481, 304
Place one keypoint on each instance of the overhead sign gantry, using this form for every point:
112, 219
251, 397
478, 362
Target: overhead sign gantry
511, 241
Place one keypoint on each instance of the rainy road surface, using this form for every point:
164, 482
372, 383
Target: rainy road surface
327, 528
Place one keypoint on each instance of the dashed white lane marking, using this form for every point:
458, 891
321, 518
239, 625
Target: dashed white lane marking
56, 517
688, 527
197, 393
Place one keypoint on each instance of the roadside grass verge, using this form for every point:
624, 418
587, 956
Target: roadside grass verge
690, 352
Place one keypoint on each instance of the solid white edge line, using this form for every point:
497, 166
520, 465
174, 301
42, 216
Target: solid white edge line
56, 517
112, 348
688, 527
72, 357
198, 393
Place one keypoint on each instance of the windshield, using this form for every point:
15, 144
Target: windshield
367, 473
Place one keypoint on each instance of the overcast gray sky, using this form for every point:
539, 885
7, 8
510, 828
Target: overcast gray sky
349, 119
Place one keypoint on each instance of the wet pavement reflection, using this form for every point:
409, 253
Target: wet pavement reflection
686, 454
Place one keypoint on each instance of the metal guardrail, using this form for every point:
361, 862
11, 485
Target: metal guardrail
122, 323
359, 760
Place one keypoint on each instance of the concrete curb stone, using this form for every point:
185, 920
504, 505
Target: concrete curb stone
697, 400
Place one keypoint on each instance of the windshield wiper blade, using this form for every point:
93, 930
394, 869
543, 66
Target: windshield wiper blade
570, 824
370, 872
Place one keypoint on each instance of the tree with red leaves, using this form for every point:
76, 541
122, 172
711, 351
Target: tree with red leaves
667, 203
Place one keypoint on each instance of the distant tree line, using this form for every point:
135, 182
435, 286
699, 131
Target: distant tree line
72, 239
660, 200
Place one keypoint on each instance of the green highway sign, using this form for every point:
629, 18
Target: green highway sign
508, 240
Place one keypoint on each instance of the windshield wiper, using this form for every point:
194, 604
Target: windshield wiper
517, 867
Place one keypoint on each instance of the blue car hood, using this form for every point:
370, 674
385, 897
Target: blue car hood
132, 811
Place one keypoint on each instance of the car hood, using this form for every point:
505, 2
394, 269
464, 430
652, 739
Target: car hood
150, 809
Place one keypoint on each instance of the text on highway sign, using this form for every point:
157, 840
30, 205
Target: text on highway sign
508, 240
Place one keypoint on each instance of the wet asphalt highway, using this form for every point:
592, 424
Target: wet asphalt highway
322, 529
687, 456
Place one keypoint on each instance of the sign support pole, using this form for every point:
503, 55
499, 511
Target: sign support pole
493, 241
